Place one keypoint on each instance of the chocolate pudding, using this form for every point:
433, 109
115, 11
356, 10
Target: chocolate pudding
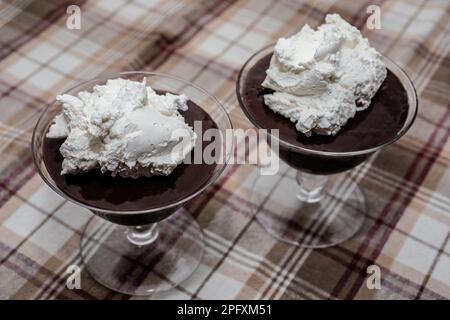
370, 128
103, 191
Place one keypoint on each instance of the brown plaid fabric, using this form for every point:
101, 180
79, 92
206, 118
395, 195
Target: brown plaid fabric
206, 42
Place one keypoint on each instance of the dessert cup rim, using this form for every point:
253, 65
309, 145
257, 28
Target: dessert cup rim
106, 76
407, 125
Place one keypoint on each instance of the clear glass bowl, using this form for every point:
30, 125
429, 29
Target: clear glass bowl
319, 209
140, 252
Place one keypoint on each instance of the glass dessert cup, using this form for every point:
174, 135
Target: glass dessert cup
144, 251
313, 204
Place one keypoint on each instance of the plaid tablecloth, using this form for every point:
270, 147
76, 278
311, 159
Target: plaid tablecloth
206, 42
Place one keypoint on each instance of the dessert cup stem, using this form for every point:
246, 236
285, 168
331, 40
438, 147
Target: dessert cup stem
136, 260
310, 186
142, 235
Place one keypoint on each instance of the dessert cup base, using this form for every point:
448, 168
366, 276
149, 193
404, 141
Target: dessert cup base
115, 262
338, 215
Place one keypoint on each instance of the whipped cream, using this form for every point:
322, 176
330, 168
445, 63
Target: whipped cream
322, 77
123, 127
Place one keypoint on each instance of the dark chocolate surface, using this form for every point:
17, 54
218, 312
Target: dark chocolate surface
127, 194
369, 128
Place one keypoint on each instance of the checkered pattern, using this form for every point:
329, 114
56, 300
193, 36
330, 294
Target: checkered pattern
206, 42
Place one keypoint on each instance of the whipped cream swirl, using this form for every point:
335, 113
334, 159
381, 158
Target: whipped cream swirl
322, 77
123, 127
